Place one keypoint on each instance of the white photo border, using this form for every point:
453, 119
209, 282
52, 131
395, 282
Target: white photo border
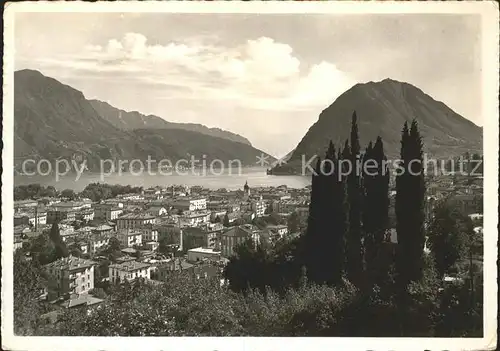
489, 13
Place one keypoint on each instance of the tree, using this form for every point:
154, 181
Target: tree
28, 284
33, 191
268, 210
312, 236
376, 201
410, 196
277, 267
74, 250
248, 267
101, 271
331, 250
354, 248
293, 222
447, 237
478, 200
368, 215
60, 247
42, 249
138, 254
68, 193
96, 192
325, 236
226, 223
114, 244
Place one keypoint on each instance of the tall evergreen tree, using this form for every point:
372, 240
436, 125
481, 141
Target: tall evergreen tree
225, 222
401, 208
418, 213
333, 242
410, 196
354, 254
311, 240
60, 247
346, 156
327, 230
324, 241
368, 215
380, 192
376, 200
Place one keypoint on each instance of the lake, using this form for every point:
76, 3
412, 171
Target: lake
256, 177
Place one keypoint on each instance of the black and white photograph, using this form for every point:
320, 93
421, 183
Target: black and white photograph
294, 174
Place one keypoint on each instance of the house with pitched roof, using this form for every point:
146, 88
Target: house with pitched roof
237, 236
129, 270
70, 275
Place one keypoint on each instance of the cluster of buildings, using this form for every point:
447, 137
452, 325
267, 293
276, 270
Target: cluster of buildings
464, 193
200, 228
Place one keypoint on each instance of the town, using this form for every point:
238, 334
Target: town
250, 173
151, 233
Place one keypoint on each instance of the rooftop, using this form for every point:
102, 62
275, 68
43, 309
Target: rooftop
103, 228
204, 250
279, 226
24, 202
240, 231
71, 263
30, 212
81, 300
175, 265
196, 214
125, 258
129, 232
155, 207
69, 204
190, 198
136, 216
130, 266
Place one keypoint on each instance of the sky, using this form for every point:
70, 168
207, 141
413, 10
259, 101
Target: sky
264, 76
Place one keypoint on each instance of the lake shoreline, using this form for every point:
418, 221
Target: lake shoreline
256, 177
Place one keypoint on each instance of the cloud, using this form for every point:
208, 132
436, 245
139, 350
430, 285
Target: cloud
323, 81
258, 73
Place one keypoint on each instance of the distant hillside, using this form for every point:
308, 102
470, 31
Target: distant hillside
285, 158
53, 120
135, 120
382, 108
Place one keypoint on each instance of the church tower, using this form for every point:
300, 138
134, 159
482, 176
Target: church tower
246, 189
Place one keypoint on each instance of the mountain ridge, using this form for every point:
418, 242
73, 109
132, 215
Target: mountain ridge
128, 120
382, 108
53, 120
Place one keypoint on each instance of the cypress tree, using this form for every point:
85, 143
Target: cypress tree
368, 215
327, 229
376, 200
410, 196
324, 241
346, 156
313, 225
225, 222
333, 242
418, 195
381, 192
60, 247
354, 254
401, 209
